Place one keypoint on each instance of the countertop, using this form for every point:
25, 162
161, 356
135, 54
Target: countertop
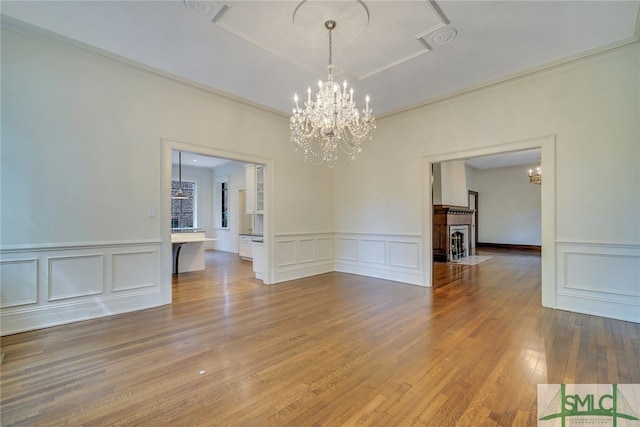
188, 230
250, 235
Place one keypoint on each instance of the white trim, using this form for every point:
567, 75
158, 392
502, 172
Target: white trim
598, 306
599, 279
28, 319
302, 255
88, 292
38, 247
167, 146
559, 64
300, 233
610, 244
357, 258
547, 144
25, 29
29, 30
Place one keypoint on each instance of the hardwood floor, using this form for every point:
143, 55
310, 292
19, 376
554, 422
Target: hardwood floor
331, 350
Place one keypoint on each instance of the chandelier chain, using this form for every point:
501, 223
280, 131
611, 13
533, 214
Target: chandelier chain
330, 48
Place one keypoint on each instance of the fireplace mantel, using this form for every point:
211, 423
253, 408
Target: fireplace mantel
454, 210
445, 217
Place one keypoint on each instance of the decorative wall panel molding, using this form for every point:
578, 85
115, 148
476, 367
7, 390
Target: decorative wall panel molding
404, 254
133, 270
302, 255
18, 282
73, 276
78, 282
324, 247
346, 249
600, 279
374, 251
285, 252
386, 256
306, 251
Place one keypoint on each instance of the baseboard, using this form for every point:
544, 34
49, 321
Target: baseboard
599, 306
411, 278
508, 246
32, 318
299, 272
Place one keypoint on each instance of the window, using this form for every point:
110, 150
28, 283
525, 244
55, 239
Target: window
183, 211
222, 199
224, 205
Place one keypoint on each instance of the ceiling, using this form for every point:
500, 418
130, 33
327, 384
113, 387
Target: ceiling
197, 160
525, 157
401, 53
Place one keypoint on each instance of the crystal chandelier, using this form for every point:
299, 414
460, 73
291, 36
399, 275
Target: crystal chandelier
535, 175
331, 128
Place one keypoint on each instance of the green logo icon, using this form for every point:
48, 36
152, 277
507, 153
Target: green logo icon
586, 404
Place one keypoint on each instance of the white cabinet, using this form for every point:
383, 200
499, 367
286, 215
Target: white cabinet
258, 259
245, 247
254, 183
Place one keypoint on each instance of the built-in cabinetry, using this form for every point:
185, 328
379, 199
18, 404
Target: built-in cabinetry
245, 247
255, 189
258, 259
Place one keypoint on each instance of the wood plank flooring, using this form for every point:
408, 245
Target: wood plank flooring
331, 350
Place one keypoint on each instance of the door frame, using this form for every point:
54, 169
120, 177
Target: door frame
167, 146
475, 217
547, 206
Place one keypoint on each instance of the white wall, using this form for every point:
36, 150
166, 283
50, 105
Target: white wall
454, 183
508, 207
591, 106
79, 131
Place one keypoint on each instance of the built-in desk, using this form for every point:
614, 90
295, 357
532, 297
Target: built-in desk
188, 251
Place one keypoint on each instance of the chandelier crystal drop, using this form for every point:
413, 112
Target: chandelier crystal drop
330, 128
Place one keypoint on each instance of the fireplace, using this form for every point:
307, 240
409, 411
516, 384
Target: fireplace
451, 232
458, 242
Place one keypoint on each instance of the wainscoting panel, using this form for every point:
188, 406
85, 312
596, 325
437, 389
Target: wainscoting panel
346, 249
75, 276
285, 253
18, 282
306, 251
77, 282
374, 251
302, 255
133, 270
386, 256
325, 248
599, 279
404, 254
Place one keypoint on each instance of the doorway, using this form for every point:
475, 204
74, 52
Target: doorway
165, 213
547, 205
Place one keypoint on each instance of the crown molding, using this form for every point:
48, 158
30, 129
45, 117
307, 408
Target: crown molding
560, 63
28, 30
